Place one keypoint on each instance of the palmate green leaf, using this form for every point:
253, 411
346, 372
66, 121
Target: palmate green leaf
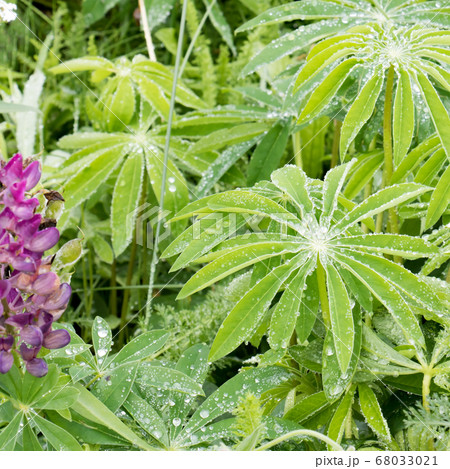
119, 106
234, 261
56, 436
203, 235
150, 377
221, 24
373, 344
379, 202
176, 193
114, 386
229, 136
153, 94
372, 412
297, 11
29, 439
140, 348
255, 381
89, 407
334, 380
125, 202
308, 309
245, 317
438, 112
292, 180
407, 283
440, 199
58, 398
361, 110
307, 407
147, 418
87, 180
10, 433
326, 90
408, 247
389, 296
326, 52
102, 340
193, 363
287, 310
341, 316
222, 164
415, 157
294, 41
82, 64
332, 186
268, 153
341, 416
362, 172
431, 168
403, 119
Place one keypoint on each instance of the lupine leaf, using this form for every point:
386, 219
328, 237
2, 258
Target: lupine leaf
361, 110
372, 412
341, 317
403, 119
245, 317
125, 202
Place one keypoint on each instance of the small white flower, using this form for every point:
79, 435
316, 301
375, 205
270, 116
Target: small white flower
7, 11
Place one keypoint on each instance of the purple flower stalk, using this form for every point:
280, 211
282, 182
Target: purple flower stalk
31, 295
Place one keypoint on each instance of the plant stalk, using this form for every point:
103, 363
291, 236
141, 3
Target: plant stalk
148, 307
336, 141
388, 152
147, 33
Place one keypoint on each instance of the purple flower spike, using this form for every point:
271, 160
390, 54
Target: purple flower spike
6, 361
57, 339
37, 367
32, 294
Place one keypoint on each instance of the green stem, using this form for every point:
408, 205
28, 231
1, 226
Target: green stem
297, 147
195, 37
113, 288
388, 167
426, 382
147, 33
336, 141
323, 295
303, 432
126, 295
148, 308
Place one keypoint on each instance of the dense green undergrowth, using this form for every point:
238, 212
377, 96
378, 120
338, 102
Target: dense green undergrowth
253, 203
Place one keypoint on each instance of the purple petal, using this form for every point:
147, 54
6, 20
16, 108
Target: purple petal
20, 320
7, 219
46, 283
28, 353
32, 174
4, 288
28, 228
57, 339
59, 299
32, 335
6, 343
17, 191
12, 172
45, 322
25, 210
43, 240
6, 361
37, 367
